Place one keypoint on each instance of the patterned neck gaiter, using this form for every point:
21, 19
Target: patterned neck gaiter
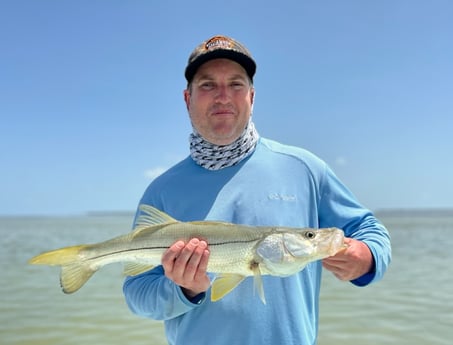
216, 157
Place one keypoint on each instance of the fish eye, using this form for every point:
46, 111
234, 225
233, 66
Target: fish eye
310, 235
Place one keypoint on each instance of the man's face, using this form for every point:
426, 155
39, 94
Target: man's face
219, 101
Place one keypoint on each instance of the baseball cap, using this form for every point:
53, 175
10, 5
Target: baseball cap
219, 47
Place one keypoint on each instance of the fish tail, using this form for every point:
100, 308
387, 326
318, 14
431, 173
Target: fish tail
74, 270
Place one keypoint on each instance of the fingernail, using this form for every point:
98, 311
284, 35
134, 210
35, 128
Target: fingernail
195, 241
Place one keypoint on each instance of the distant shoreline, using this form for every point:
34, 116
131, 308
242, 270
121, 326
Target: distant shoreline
420, 212
390, 212
110, 213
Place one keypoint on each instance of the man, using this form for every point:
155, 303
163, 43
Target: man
234, 175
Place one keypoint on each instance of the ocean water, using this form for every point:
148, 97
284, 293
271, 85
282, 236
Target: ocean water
413, 304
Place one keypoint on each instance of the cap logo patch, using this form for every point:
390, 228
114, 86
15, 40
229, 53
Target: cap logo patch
219, 42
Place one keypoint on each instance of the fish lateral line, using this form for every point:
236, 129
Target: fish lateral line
126, 251
163, 248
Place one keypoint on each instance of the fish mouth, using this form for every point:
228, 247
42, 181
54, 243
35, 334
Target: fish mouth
337, 243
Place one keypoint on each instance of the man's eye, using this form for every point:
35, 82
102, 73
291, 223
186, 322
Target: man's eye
237, 85
207, 86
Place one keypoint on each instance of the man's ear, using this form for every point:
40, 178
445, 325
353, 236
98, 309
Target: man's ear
187, 98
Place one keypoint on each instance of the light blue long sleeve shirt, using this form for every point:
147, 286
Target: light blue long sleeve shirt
277, 185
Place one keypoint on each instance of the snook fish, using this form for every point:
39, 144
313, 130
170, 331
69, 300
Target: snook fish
236, 251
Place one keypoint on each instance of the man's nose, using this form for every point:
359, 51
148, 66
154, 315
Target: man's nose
222, 93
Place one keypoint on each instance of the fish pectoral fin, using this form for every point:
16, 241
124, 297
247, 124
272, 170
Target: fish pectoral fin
224, 284
133, 268
258, 283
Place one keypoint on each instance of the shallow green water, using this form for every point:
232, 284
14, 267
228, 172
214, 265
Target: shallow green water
412, 305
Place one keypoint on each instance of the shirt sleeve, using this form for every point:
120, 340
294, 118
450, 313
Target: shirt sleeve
340, 208
153, 295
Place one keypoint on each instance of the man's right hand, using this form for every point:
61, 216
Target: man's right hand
186, 265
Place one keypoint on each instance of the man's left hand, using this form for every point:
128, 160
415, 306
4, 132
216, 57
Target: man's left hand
351, 263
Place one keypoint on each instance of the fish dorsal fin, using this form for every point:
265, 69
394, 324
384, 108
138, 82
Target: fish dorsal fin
152, 216
224, 284
149, 221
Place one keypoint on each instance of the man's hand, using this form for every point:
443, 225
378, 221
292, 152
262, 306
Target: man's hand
351, 263
186, 265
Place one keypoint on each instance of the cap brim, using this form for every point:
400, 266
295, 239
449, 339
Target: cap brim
246, 62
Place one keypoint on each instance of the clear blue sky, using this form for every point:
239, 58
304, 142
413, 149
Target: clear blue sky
91, 99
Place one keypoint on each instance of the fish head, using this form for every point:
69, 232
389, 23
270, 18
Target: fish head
287, 251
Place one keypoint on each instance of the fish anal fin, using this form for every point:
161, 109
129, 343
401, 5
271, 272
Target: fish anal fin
224, 284
133, 268
74, 276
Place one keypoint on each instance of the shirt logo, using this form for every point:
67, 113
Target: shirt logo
282, 197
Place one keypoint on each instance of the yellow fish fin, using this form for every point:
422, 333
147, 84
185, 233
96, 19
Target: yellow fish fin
152, 216
58, 257
150, 221
133, 268
74, 276
74, 270
224, 284
145, 230
258, 283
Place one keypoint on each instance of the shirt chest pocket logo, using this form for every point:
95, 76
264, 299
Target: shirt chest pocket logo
282, 197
